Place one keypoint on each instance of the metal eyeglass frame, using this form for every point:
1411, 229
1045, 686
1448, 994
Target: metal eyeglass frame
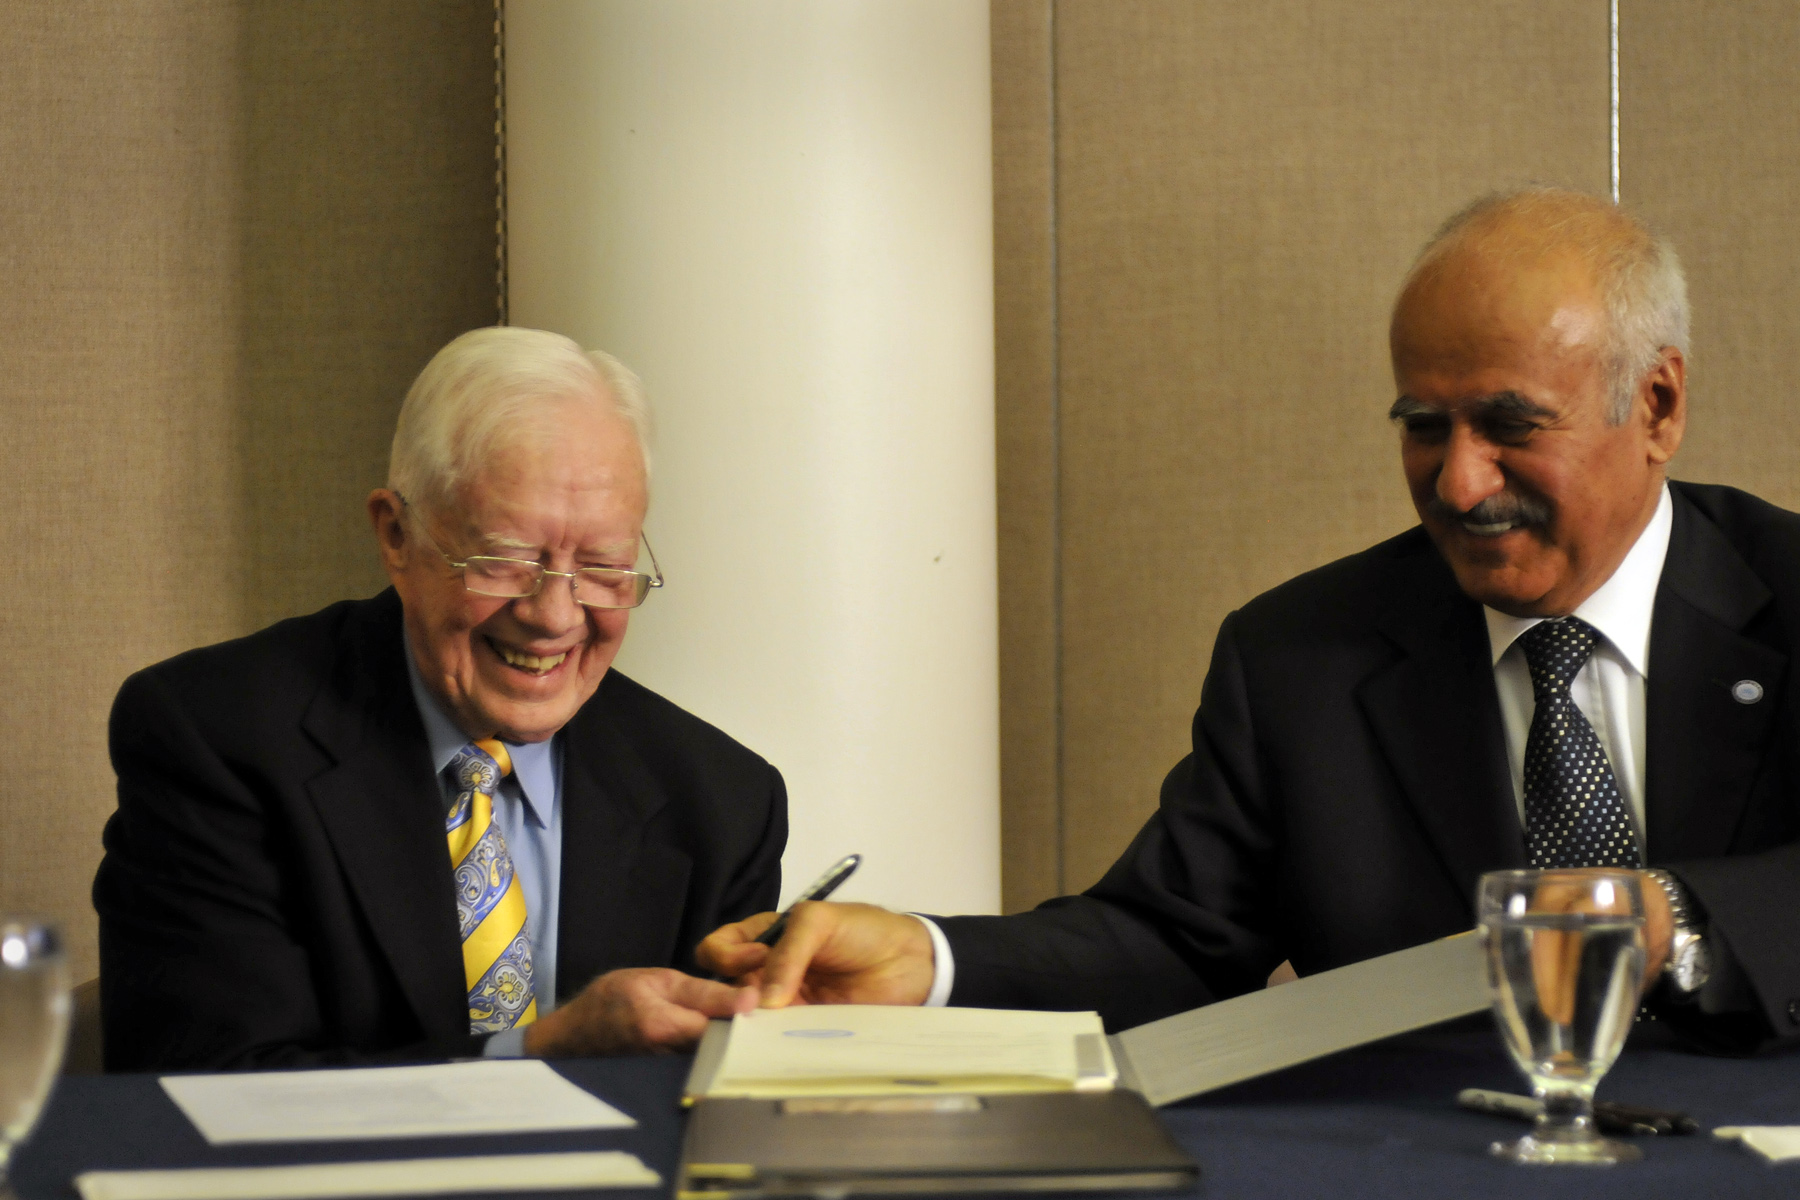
655, 577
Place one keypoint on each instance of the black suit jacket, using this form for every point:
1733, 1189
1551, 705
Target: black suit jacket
1349, 783
277, 887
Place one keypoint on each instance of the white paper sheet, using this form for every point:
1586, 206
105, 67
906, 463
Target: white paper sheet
1776, 1143
502, 1096
1246, 1036
877, 1049
407, 1177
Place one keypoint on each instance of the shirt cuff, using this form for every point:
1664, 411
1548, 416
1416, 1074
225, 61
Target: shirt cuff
943, 965
508, 1043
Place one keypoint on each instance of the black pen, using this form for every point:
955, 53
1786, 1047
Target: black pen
1609, 1116
821, 887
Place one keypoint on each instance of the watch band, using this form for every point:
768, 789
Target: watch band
1689, 965
1682, 911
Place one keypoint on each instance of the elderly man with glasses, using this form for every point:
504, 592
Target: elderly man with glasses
436, 823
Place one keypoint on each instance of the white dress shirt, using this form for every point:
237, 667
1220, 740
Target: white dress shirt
1609, 690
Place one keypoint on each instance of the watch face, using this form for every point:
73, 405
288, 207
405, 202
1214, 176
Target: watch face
1690, 964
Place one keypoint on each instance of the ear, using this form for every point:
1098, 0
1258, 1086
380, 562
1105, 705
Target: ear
1662, 399
386, 513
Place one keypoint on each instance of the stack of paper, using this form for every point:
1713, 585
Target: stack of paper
872, 1100
875, 1050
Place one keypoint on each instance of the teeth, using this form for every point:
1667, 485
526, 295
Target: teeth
529, 662
1493, 530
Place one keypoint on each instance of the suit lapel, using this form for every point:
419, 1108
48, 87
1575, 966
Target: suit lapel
621, 890
1703, 745
1436, 717
384, 812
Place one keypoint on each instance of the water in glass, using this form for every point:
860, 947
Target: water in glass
1565, 953
34, 1024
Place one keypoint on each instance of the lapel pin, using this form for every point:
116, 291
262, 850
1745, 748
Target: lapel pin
1746, 691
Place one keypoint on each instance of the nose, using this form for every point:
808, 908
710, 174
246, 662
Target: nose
553, 611
1471, 470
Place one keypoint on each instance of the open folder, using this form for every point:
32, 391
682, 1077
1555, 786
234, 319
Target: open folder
876, 1050
860, 1100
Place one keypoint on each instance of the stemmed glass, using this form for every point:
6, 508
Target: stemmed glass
1565, 959
34, 1024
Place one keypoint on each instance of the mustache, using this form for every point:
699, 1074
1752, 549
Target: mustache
1503, 508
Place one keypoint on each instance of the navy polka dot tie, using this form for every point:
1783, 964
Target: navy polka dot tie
1574, 815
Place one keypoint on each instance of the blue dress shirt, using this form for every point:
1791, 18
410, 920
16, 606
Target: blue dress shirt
528, 810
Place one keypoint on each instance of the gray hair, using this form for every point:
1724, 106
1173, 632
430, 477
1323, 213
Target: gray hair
1638, 274
474, 392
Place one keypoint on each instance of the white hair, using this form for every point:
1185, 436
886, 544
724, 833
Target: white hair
475, 393
1637, 272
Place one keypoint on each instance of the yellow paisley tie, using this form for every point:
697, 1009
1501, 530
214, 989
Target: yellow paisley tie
490, 905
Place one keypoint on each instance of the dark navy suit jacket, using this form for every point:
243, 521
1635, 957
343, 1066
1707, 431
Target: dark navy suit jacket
277, 888
1349, 783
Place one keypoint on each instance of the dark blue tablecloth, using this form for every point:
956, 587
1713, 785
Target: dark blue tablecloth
1376, 1122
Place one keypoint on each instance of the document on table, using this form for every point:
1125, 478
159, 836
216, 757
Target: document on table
1238, 1039
518, 1095
406, 1177
882, 1050
1776, 1143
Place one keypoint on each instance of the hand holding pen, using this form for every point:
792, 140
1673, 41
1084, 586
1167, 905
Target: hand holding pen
826, 953
820, 888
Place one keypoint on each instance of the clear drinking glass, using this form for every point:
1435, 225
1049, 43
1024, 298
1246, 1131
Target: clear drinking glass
34, 1024
1565, 958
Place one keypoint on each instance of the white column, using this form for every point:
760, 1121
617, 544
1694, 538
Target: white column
779, 212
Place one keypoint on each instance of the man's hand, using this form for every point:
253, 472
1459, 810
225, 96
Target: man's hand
641, 1010
1556, 956
830, 954
1659, 927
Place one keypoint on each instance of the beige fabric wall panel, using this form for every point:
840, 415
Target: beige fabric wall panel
1709, 145
1239, 190
367, 242
120, 153
1024, 431
231, 236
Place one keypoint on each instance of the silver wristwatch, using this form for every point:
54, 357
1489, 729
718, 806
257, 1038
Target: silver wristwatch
1690, 957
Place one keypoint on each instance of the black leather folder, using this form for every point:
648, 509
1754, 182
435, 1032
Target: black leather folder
738, 1149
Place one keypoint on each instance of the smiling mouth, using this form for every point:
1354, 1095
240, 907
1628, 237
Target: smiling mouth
1494, 517
531, 664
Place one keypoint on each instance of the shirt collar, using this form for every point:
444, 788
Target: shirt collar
1620, 608
534, 763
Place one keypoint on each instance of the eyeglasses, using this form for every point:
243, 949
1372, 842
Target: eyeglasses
517, 578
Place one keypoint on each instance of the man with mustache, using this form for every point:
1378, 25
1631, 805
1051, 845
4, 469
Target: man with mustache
436, 823
1571, 662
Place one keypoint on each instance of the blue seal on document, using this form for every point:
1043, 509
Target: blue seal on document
819, 1033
